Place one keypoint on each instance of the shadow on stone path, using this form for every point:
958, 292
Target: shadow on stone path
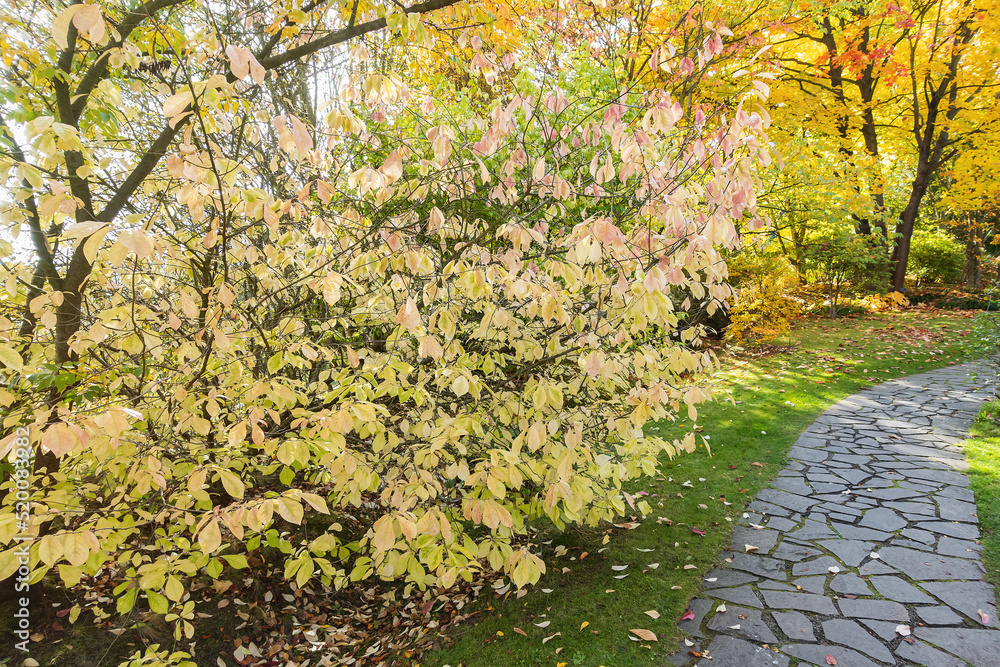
872, 525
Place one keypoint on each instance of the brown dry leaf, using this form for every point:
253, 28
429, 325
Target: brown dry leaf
520, 632
652, 613
758, 464
644, 634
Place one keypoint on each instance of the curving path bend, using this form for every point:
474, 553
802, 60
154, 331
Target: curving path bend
872, 525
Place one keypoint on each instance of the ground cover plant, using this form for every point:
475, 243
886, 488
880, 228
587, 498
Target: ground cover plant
775, 396
982, 450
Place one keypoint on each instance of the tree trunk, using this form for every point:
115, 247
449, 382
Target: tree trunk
904, 228
972, 274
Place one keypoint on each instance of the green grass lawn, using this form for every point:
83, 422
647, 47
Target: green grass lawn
771, 400
983, 453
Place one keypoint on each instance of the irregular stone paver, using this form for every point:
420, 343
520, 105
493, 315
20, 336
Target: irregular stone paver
875, 490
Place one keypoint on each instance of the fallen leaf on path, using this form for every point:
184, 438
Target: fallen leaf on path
688, 615
750, 547
902, 630
985, 617
721, 609
830, 660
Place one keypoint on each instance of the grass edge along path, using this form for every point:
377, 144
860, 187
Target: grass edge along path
603, 583
982, 451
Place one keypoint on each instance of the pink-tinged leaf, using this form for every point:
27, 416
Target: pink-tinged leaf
697, 532
392, 167
985, 618
830, 660
408, 315
520, 632
300, 133
239, 60
688, 616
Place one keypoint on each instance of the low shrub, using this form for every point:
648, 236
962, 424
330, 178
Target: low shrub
764, 308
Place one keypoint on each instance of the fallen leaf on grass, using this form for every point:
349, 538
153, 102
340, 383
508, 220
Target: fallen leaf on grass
618, 568
630, 526
758, 463
645, 551
653, 566
551, 637
543, 624
520, 632
644, 634
697, 532
690, 567
621, 576
584, 624
652, 613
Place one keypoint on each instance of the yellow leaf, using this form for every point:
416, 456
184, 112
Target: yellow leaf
11, 359
584, 624
231, 483
290, 510
210, 537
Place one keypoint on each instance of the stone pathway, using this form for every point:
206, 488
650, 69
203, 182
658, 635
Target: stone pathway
871, 526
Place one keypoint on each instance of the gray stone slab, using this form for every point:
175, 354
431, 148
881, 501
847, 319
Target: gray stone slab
815, 585
819, 565
700, 607
848, 552
817, 604
928, 567
751, 626
780, 523
854, 476
967, 597
795, 552
729, 651
805, 454
795, 625
884, 629
762, 566
764, 540
796, 485
898, 590
849, 633
952, 509
958, 493
811, 530
949, 546
962, 531
873, 567
980, 647
894, 493
913, 507
884, 519
850, 532
850, 584
786, 500
768, 508
740, 595
878, 609
939, 615
919, 535
727, 578
815, 654
919, 653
